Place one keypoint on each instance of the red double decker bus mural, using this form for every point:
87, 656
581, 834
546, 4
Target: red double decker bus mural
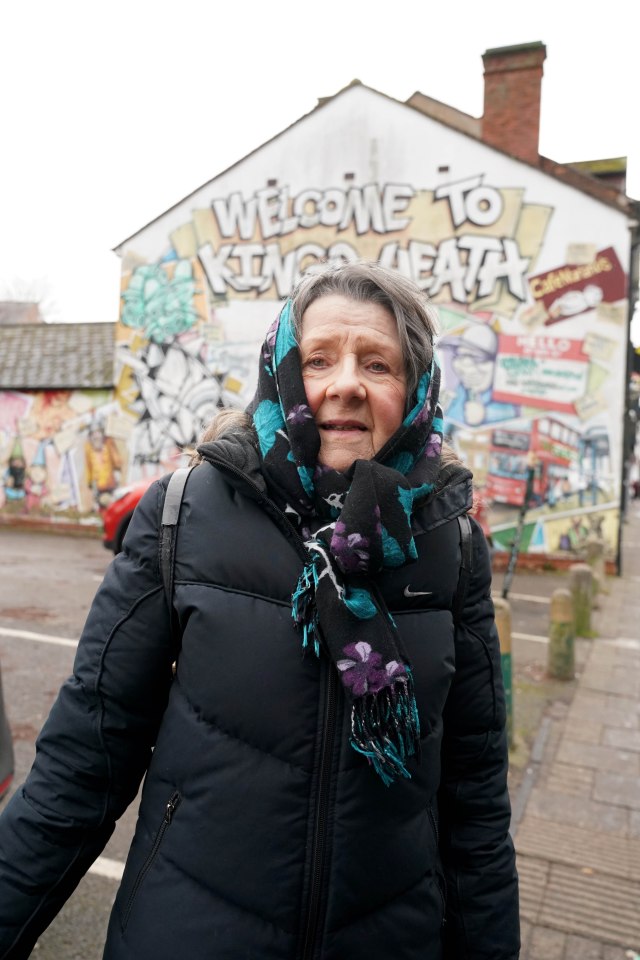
553, 449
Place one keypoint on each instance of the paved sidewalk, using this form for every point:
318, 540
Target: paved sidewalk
577, 813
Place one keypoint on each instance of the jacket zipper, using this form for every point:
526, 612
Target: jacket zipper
170, 809
434, 824
319, 839
328, 723
320, 829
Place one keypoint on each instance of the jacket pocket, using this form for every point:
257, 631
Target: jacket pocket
441, 883
170, 809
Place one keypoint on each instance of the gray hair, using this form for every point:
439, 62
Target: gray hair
226, 421
368, 282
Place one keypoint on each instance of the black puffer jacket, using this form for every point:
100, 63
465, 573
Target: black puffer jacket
262, 835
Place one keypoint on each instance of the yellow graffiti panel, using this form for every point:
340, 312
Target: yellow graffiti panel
184, 241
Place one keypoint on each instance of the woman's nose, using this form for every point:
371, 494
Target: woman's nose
346, 381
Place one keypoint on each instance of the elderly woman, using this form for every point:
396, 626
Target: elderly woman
326, 770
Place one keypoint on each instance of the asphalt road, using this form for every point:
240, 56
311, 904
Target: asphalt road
47, 583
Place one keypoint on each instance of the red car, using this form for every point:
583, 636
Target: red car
118, 514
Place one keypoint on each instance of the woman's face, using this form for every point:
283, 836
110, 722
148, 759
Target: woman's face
354, 377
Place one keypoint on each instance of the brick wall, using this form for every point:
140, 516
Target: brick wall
512, 88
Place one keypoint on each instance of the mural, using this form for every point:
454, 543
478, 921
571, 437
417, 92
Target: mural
58, 455
532, 345
531, 358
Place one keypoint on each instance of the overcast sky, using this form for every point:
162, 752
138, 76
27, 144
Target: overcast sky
113, 111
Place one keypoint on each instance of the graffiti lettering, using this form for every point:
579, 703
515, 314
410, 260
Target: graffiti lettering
368, 208
234, 215
519, 364
547, 346
466, 264
264, 265
470, 201
570, 375
558, 279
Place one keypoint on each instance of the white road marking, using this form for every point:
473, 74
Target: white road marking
627, 643
530, 597
104, 867
42, 637
529, 636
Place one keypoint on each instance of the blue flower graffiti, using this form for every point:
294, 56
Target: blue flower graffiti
159, 306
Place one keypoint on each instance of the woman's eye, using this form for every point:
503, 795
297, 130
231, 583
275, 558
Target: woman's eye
377, 366
316, 363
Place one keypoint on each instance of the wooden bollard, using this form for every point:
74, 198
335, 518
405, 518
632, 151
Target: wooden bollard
503, 624
561, 655
582, 595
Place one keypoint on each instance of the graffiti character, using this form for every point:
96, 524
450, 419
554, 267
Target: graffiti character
473, 362
103, 465
15, 474
575, 536
14, 478
35, 485
50, 412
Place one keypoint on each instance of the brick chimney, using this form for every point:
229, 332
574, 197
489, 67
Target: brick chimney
512, 88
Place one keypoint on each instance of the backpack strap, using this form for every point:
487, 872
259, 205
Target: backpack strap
169, 535
466, 567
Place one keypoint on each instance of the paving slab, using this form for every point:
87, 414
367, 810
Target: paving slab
579, 948
612, 760
616, 953
623, 739
618, 856
616, 789
585, 731
628, 706
533, 873
577, 833
567, 778
546, 944
594, 905
578, 811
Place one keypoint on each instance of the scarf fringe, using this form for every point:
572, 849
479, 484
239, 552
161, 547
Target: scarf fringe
385, 729
303, 606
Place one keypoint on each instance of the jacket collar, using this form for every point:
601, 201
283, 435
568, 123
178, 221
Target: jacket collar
236, 452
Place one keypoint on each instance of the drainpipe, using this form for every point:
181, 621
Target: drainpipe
628, 429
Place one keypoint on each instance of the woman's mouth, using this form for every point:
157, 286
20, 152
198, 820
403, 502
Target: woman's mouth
343, 426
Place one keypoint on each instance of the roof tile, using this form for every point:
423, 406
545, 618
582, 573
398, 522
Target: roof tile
57, 356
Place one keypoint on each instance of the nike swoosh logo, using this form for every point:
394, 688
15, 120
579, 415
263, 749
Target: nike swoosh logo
417, 593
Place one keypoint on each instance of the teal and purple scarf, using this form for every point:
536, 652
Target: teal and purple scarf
354, 524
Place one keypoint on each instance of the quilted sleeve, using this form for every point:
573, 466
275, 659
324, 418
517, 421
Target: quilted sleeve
95, 746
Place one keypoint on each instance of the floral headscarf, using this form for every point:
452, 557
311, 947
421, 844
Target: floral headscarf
362, 524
